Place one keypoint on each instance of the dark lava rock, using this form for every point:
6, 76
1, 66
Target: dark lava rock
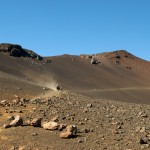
17, 51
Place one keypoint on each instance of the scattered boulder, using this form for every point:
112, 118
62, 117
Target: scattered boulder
143, 129
58, 88
143, 141
12, 148
128, 67
3, 103
84, 130
143, 114
36, 122
51, 125
94, 61
45, 88
89, 56
70, 132
18, 121
22, 148
34, 134
89, 105
116, 62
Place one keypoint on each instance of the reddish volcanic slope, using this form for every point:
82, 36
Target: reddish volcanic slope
117, 75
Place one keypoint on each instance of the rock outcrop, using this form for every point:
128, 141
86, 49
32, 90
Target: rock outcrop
17, 51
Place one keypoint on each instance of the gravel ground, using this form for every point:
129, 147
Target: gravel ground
101, 124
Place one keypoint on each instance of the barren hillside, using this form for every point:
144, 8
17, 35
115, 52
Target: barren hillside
116, 74
98, 101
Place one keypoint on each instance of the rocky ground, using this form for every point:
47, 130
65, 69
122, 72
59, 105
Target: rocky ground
99, 124
81, 116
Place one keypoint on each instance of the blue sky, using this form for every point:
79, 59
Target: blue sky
54, 27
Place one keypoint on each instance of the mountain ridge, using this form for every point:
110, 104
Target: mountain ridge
118, 70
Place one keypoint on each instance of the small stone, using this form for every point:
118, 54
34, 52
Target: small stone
115, 132
85, 130
15, 101
143, 129
36, 122
80, 141
81, 123
70, 131
12, 148
91, 130
119, 127
22, 148
147, 145
85, 119
63, 117
19, 111
11, 111
85, 110
69, 103
34, 134
45, 88
3, 102
89, 105
143, 141
138, 129
34, 109
143, 114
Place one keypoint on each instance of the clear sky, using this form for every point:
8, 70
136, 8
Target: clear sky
54, 27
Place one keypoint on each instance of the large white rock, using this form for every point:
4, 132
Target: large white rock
51, 125
70, 131
18, 121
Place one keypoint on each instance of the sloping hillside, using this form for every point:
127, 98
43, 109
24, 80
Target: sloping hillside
35, 115
117, 75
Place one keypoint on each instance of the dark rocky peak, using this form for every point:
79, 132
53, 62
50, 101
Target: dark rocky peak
17, 51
